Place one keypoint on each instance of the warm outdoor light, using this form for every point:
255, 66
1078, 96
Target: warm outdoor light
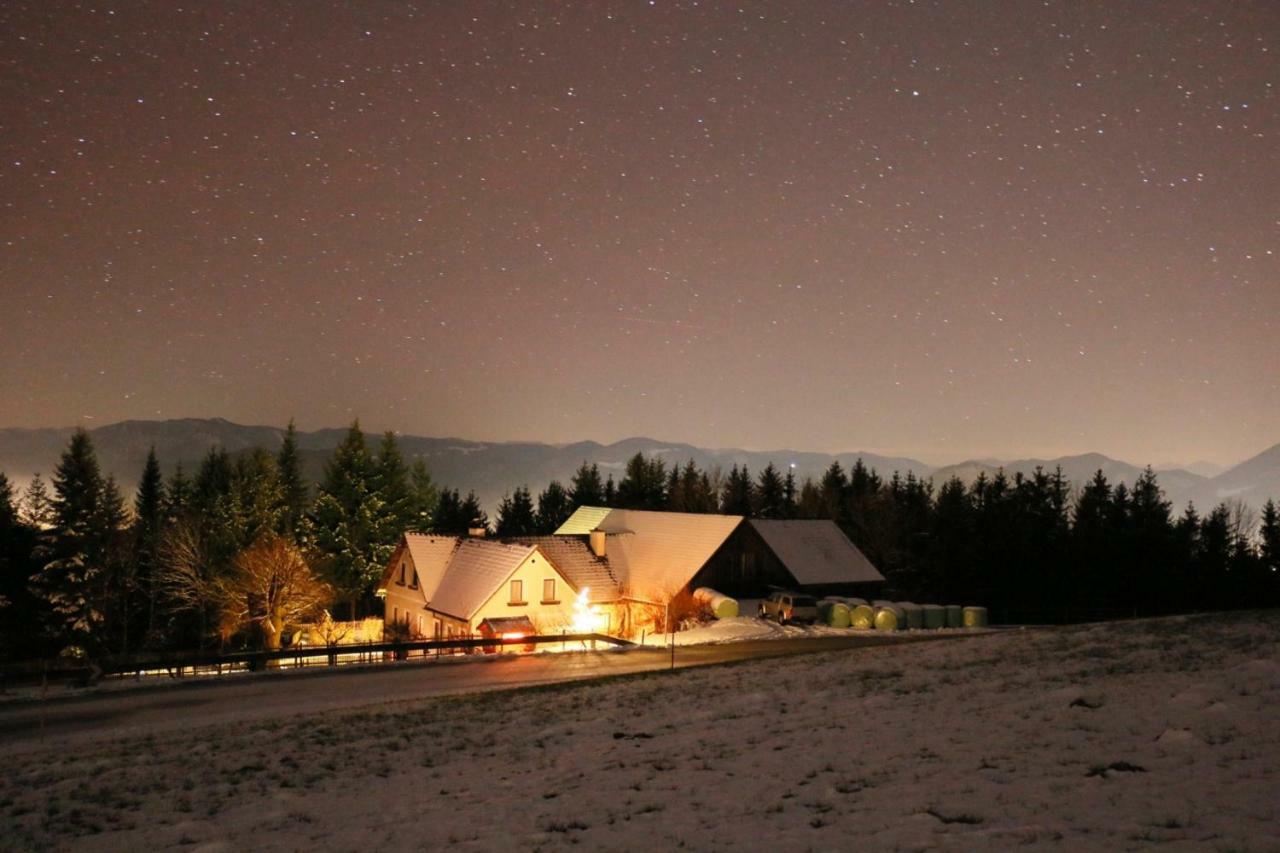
586, 616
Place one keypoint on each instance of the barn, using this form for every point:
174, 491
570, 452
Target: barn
656, 555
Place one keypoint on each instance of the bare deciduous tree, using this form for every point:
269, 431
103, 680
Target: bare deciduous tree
272, 588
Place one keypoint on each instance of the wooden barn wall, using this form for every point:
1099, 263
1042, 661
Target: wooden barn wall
743, 567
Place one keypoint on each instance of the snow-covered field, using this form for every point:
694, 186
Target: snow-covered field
1154, 734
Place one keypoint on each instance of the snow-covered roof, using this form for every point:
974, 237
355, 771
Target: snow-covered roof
816, 551
478, 569
578, 565
584, 520
655, 554
428, 554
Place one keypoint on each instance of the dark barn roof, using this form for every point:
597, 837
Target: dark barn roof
816, 552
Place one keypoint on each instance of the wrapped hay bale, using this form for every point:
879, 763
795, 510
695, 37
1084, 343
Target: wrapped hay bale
833, 612
862, 616
914, 613
955, 616
975, 617
889, 619
722, 606
935, 616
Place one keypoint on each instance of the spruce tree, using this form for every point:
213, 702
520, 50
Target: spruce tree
391, 479
643, 484
833, 488
423, 496
294, 493
738, 497
585, 487
447, 517
350, 522
37, 506
770, 494
609, 497
148, 522
554, 508
474, 515
9, 520
177, 495
516, 515
72, 581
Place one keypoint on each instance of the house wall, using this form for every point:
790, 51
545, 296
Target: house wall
743, 567
547, 617
404, 602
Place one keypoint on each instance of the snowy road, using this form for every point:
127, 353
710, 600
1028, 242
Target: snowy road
171, 706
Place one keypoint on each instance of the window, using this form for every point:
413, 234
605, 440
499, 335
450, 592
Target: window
517, 593
414, 585
401, 581
439, 629
395, 614
549, 591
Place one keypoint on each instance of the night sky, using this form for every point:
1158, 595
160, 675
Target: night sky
947, 229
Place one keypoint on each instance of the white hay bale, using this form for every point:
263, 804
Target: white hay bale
722, 606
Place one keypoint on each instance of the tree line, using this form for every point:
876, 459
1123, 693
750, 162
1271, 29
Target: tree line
243, 548
1032, 548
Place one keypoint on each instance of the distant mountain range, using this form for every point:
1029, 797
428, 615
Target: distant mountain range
495, 468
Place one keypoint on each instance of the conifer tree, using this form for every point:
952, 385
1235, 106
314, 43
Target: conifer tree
257, 503
177, 495
585, 487
9, 520
350, 519
643, 485
609, 497
832, 488
294, 493
72, 584
423, 495
37, 506
737, 498
516, 515
554, 508
474, 515
1269, 537
447, 518
391, 479
148, 521
770, 494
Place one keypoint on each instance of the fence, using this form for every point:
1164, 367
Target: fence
181, 664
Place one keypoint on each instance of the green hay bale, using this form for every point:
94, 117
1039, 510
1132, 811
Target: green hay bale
887, 619
722, 606
955, 616
862, 616
834, 613
935, 616
975, 617
914, 613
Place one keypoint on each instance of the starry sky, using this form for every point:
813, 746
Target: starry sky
949, 229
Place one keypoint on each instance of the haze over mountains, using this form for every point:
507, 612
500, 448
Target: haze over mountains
495, 468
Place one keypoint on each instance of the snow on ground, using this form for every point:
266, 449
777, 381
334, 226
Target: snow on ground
1124, 736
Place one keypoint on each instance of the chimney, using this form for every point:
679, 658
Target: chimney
597, 538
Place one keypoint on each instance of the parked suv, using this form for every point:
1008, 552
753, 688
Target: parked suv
789, 607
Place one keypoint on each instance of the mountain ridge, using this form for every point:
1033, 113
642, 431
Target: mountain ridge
495, 468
